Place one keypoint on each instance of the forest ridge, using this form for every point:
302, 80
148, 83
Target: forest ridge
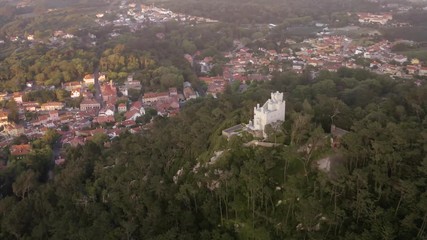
112, 113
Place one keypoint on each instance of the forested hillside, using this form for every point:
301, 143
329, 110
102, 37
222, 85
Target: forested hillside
266, 11
168, 184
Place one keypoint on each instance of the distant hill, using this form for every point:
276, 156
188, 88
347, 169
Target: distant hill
53, 3
267, 11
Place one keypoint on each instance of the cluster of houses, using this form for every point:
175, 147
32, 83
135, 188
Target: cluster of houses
156, 14
332, 52
129, 14
215, 85
322, 53
165, 103
110, 113
370, 18
134, 16
57, 38
243, 65
325, 52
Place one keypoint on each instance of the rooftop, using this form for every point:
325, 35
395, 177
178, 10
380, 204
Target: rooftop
20, 150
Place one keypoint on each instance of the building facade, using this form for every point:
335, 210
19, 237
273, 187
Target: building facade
51, 106
272, 111
89, 104
155, 97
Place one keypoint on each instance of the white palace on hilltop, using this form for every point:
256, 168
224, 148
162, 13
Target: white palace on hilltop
272, 111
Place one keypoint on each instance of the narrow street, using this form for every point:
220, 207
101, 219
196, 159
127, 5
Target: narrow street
98, 95
56, 151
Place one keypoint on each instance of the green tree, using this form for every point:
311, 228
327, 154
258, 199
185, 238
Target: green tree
25, 182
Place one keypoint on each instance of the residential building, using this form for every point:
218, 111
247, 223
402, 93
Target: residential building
133, 84
102, 77
173, 92
189, 93
54, 115
70, 86
75, 93
122, 107
89, 79
107, 111
423, 71
14, 130
3, 116
215, 85
109, 92
375, 18
104, 119
154, 97
133, 114
400, 59
415, 61
412, 69
128, 123
124, 90
167, 108
51, 106
298, 68
17, 96
88, 104
20, 151
31, 106
137, 106
4, 96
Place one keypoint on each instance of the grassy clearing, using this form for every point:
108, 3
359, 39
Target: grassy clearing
421, 54
355, 31
364, 42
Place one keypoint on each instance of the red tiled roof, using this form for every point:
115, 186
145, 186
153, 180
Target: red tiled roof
131, 113
128, 123
88, 101
173, 90
211, 79
104, 119
154, 95
30, 104
72, 84
89, 76
52, 104
136, 105
108, 90
3, 114
20, 150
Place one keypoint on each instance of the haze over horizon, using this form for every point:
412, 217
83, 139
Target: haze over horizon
201, 119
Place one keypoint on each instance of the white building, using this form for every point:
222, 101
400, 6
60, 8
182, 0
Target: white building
272, 111
75, 93
366, 18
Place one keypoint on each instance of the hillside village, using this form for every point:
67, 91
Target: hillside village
105, 108
108, 114
329, 53
201, 119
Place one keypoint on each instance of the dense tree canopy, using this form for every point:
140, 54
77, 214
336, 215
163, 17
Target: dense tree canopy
181, 179
168, 184
45, 67
267, 11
